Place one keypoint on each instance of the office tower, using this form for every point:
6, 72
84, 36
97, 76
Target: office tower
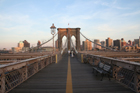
97, 44
26, 43
21, 44
137, 42
117, 43
38, 43
87, 45
103, 43
109, 42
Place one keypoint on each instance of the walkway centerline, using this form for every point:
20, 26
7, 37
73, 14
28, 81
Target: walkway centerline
69, 78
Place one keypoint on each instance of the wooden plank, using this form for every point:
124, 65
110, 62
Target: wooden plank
52, 79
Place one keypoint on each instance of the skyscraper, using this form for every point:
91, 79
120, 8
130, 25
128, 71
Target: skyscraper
137, 42
123, 43
26, 44
38, 43
103, 43
21, 44
87, 45
130, 42
109, 42
97, 41
117, 43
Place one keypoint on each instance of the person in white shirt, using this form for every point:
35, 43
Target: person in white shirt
69, 52
72, 54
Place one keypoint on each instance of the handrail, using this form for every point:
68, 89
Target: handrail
113, 59
126, 72
20, 71
6, 65
19, 64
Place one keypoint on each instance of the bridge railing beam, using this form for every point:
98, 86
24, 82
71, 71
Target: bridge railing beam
126, 72
13, 74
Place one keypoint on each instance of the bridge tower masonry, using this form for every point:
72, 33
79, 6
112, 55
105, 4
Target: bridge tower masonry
69, 32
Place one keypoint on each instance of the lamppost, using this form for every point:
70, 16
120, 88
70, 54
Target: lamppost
53, 32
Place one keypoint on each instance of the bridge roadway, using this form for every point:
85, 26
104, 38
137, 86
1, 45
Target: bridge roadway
53, 79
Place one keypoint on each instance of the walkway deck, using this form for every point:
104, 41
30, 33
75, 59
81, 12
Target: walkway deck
52, 79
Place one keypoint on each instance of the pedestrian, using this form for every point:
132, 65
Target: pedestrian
68, 52
72, 54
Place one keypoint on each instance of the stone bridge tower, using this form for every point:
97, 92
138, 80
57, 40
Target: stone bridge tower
69, 32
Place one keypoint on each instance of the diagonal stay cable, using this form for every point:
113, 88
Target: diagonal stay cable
46, 41
95, 43
74, 47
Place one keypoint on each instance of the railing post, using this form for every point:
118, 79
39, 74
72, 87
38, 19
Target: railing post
56, 58
47, 60
3, 82
41, 63
51, 58
36, 66
135, 80
26, 71
82, 58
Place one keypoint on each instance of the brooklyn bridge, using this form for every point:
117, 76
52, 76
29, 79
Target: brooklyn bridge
60, 71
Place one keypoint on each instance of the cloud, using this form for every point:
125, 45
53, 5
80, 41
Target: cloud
113, 4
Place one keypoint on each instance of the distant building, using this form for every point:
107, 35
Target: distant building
109, 42
81, 47
117, 43
129, 43
4, 49
96, 41
21, 44
133, 43
25, 49
123, 43
16, 49
47, 49
26, 44
38, 43
87, 45
97, 44
84, 45
103, 43
137, 41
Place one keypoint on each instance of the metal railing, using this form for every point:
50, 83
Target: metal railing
13, 74
126, 72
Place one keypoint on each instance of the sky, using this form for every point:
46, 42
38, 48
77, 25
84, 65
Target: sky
98, 19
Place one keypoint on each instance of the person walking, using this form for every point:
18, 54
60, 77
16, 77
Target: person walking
68, 52
72, 54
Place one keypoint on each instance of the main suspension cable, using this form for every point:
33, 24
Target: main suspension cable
44, 42
95, 43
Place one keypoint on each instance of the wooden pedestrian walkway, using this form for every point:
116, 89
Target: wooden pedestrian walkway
53, 79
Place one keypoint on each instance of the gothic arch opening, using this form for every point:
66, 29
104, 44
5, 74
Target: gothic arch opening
73, 41
68, 32
64, 40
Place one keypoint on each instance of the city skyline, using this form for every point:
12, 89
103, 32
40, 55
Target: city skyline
98, 19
